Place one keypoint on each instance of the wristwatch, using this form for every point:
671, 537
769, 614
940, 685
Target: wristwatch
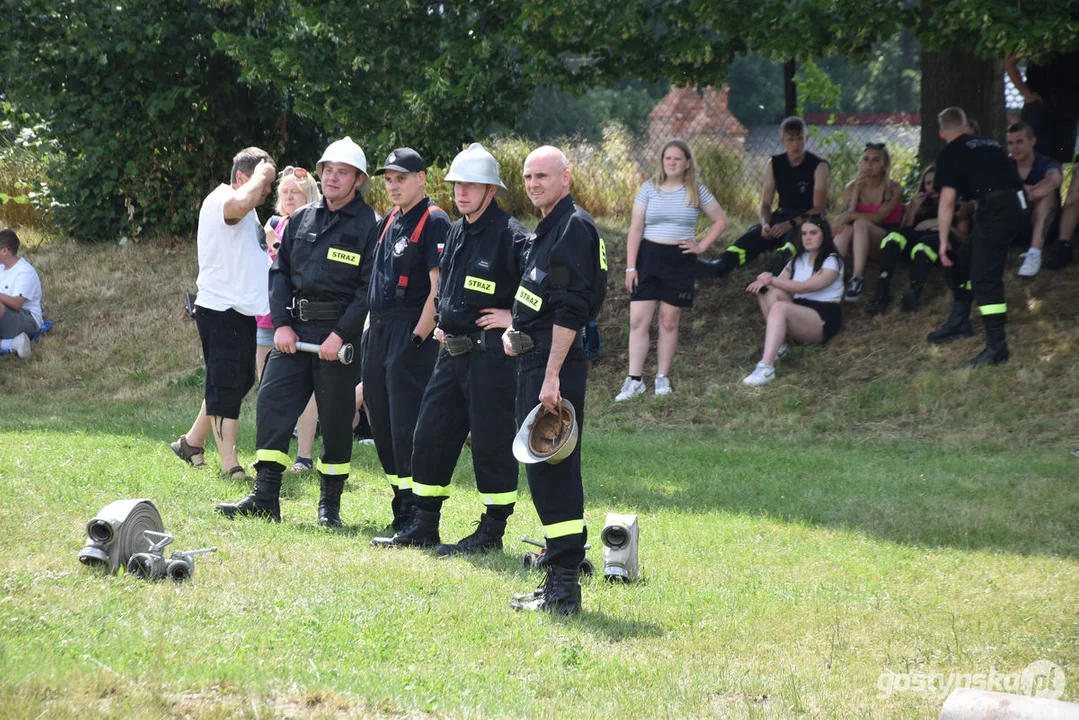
417, 340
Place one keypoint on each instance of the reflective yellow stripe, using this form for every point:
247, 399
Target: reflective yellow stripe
923, 248
500, 498
569, 527
332, 469
787, 247
526, 298
966, 285
740, 252
343, 256
430, 490
274, 456
487, 287
405, 483
899, 239
998, 309
393, 480
602, 255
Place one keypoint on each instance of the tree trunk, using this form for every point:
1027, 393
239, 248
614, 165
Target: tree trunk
957, 78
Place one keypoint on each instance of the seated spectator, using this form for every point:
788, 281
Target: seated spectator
915, 242
802, 302
1041, 177
872, 207
800, 179
661, 252
1050, 93
20, 297
1069, 219
295, 188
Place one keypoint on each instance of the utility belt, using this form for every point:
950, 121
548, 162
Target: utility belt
540, 339
310, 310
481, 341
997, 196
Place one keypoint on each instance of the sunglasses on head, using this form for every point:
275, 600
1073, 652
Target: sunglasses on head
874, 146
291, 170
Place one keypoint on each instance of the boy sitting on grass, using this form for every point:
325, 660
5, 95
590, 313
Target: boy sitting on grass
20, 297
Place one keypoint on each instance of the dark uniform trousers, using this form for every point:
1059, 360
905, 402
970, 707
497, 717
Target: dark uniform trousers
472, 391
752, 243
395, 373
919, 247
998, 218
286, 386
557, 490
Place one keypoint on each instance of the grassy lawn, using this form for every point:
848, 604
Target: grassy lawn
875, 513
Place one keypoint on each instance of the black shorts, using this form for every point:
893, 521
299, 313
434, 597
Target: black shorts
664, 273
830, 312
228, 346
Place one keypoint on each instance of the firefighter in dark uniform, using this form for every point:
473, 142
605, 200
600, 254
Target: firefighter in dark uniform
399, 352
318, 294
563, 284
978, 169
801, 180
474, 382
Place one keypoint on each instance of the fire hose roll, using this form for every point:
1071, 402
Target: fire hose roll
116, 533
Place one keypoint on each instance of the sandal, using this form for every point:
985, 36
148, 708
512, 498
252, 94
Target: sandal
187, 453
302, 464
236, 473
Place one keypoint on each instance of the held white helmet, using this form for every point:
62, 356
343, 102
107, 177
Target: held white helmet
547, 437
348, 152
476, 165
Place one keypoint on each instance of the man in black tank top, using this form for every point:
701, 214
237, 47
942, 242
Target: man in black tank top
978, 169
801, 180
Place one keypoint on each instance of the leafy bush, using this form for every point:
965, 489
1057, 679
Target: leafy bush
25, 199
722, 172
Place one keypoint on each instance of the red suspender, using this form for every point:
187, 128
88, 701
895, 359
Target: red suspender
414, 239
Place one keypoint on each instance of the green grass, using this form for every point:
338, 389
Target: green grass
874, 511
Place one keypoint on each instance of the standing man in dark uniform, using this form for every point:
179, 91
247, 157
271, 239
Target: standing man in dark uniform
563, 284
318, 294
474, 381
978, 169
801, 179
399, 352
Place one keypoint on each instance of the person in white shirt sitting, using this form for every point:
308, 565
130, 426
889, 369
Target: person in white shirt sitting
20, 297
804, 301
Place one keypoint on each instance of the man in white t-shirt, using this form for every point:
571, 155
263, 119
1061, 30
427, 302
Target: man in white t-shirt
20, 297
232, 290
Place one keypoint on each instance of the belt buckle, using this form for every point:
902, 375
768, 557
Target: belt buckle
457, 346
302, 309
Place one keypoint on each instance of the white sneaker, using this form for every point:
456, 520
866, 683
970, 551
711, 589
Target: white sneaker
1031, 265
761, 374
782, 351
663, 385
630, 389
21, 345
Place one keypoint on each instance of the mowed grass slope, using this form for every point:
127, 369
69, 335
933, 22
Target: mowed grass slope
875, 511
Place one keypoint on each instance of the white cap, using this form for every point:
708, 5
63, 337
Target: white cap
476, 165
348, 152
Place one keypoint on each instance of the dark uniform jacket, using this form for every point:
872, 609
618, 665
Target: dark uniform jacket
480, 268
975, 167
395, 256
564, 272
325, 256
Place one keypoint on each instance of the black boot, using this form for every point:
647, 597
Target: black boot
402, 507
487, 536
329, 501
712, 269
264, 501
956, 326
882, 297
560, 593
996, 346
1062, 256
777, 263
422, 531
912, 298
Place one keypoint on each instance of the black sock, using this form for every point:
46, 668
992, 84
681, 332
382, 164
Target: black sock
499, 512
636, 377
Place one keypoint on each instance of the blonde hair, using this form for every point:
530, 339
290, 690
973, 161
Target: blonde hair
952, 118
689, 178
307, 184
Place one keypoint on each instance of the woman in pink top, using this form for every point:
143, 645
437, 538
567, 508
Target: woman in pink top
872, 207
295, 188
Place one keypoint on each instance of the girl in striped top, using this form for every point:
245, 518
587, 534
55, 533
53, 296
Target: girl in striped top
661, 253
